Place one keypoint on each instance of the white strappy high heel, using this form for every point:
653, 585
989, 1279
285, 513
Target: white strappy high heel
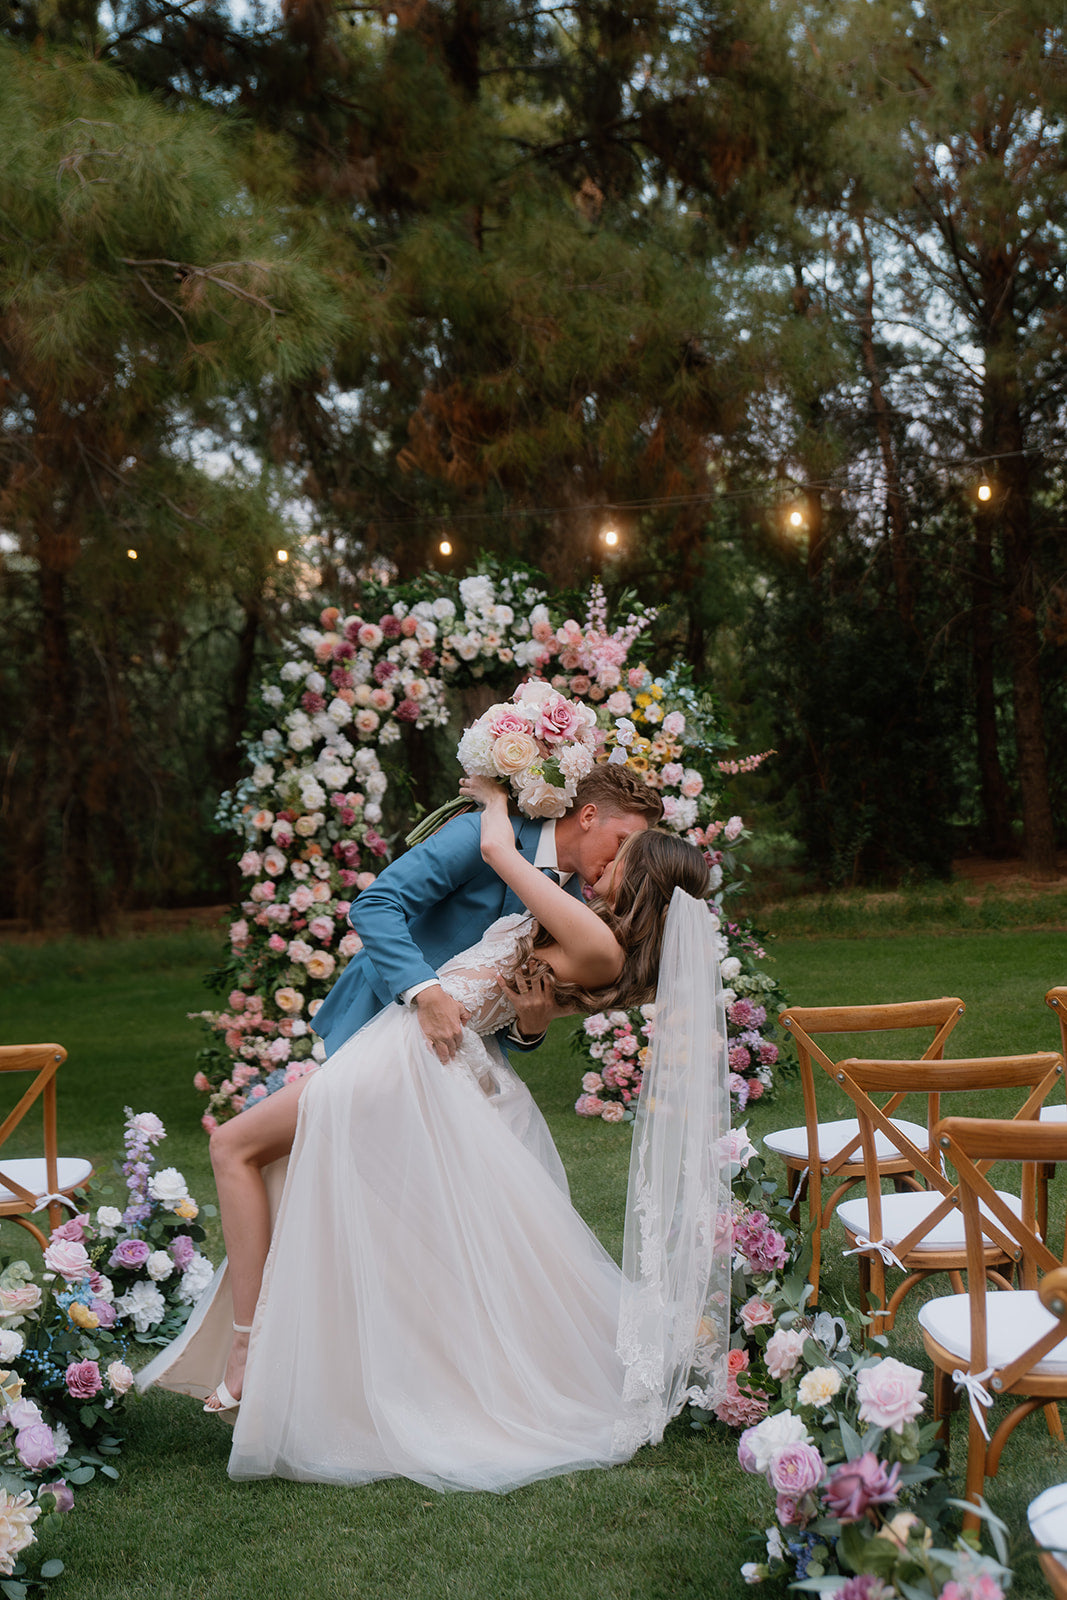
226, 1401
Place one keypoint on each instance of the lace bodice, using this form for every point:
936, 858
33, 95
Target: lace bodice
471, 976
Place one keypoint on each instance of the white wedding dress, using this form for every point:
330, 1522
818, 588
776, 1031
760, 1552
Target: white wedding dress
433, 1306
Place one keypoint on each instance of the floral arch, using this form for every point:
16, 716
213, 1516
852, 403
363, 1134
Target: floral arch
329, 756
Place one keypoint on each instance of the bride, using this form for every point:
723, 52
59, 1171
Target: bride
431, 1305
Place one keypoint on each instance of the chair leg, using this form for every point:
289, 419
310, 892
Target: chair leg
1046, 1170
1054, 1421
976, 1473
945, 1401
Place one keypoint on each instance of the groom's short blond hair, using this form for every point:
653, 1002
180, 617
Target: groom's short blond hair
614, 789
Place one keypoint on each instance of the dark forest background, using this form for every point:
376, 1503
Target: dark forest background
776, 291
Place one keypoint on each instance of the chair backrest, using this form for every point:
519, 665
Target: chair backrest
972, 1145
44, 1061
805, 1022
1056, 1000
1037, 1073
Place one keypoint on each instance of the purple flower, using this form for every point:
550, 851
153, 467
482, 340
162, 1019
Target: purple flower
64, 1495
865, 1586
130, 1253
746, 1459
855, 1485
183, 1250
133, 1216
105, 1313
786, 1510
83, 1380
36, 1446
796, 1469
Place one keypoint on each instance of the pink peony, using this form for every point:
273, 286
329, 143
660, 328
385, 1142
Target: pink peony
74, 1229
796, 1469
83, 1380
69, 1258
756, 1313
36, 1446
587, 1105
890, 1394
130, 1253
612, 1112
855, 1485
783, 1351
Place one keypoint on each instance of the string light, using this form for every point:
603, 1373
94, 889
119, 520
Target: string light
796, 519
445, 547
985, 491
132, 554
283, 556
610, 537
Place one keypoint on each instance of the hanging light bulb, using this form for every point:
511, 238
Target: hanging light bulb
445, 547
610, 537
283, 556
985, 491
796, 519
132, 554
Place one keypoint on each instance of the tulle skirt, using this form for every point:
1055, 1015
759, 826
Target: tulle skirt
433, 1306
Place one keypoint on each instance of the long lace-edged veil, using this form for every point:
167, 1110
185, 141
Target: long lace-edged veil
674, 1318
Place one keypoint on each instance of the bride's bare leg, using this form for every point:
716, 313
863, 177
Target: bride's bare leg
240, 1149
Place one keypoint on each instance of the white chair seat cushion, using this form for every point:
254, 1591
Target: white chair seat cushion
1053, 1114
32, 1173
834, 1136
1047, 1516
903, 1212
1015, 1319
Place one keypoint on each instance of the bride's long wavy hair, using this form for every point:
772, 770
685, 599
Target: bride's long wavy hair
650, 866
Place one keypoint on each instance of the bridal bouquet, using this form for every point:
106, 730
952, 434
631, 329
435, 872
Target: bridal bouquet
540, 742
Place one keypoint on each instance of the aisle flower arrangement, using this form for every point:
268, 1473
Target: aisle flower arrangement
854, 1479
111, 1277
310, 811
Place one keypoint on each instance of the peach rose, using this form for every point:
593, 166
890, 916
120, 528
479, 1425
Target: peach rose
514, 752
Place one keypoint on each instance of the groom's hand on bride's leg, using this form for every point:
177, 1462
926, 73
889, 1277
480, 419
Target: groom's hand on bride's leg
441, 1018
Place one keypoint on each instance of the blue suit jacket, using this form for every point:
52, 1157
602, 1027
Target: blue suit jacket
434, 901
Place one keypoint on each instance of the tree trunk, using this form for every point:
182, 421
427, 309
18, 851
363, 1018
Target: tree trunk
1024, 643
1007, 437
996, 820
895, 508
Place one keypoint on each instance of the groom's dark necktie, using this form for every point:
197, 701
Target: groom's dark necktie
550, 872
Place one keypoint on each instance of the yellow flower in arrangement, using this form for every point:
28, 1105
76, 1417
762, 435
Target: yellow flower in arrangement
10, 1386
642, 1054
82, 1317
643, 700
187, 1209
656, 692
638, 763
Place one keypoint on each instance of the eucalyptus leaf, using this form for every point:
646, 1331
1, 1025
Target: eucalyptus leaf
52, 1569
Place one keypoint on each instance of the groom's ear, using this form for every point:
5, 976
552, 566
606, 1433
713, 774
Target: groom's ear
587, 816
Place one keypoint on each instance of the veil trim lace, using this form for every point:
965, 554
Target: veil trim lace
674, 1315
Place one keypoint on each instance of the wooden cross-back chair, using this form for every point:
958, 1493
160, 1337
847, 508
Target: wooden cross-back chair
1056, 1000
830, 1151
1047, 1516
1005, 1342
922, 1232
30, 1185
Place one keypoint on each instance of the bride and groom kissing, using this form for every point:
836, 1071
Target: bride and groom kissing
409, 1290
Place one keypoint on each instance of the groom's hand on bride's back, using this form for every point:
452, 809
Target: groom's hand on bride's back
441, 1018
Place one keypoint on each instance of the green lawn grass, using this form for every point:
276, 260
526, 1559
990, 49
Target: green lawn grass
671, 1525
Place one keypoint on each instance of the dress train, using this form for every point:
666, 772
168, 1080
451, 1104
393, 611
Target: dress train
433, 1306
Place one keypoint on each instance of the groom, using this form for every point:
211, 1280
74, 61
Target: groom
440, 898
